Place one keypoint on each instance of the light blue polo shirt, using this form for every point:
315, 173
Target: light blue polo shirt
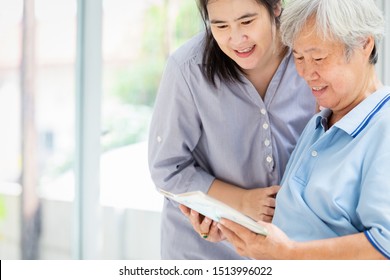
337, 181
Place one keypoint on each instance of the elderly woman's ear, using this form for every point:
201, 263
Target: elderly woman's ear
368, 46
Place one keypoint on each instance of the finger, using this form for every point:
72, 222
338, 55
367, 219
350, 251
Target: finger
195, 220
214, 231
269, 202
229, 234
269, 211
241, 231
185, 210
266, 218
233, 238
273, 190
204, 227
215, 234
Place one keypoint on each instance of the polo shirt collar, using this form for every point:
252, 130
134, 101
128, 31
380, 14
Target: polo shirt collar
322, 118
357, 119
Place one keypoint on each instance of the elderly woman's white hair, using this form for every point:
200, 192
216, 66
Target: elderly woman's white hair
350, 22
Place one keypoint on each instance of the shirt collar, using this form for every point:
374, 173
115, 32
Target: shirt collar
357, 119
322, 118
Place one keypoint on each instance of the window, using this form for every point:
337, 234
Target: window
137, 38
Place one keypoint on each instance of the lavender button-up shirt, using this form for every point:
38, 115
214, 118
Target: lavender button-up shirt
200, 132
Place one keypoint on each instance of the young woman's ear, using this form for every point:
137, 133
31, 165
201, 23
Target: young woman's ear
278, 8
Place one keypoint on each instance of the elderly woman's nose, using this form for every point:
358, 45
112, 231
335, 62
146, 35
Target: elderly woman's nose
308, 72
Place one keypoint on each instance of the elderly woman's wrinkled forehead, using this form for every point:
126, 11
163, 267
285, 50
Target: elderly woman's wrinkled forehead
349, 21
311, 27
311, 40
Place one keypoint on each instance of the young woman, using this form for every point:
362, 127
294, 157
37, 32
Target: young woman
228, 113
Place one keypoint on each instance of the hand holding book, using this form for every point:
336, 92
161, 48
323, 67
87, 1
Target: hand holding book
214, 209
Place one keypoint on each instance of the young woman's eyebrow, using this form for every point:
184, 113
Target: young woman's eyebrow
248, 15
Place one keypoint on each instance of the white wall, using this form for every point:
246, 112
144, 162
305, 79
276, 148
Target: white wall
383, 66
127, 234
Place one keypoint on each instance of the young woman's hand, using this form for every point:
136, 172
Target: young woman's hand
206, 227
259, 204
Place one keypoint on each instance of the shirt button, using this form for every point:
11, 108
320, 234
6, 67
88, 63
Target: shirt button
314, 153
267, 143
159, 139
263, 111
265, 126
269, 159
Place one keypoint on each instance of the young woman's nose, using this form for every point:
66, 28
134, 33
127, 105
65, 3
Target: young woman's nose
237, 36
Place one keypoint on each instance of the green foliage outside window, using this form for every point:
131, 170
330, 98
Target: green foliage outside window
136, 87
139, 83
2, 207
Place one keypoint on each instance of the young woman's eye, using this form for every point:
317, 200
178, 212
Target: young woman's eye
222, 26
247, 22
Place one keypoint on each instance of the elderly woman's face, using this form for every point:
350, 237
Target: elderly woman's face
336, 83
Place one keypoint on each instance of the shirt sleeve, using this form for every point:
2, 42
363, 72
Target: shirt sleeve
374, 204
175, 130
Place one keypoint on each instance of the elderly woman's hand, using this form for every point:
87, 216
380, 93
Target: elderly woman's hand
206, 227
276, 245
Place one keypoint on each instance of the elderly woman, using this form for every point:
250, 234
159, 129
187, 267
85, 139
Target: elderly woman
334, 202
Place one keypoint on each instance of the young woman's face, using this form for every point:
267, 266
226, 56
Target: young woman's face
243, 30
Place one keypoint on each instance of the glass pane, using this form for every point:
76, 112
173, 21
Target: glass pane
137, 38
55, 111
53, 59
10, 19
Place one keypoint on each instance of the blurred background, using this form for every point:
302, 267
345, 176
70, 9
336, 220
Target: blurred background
78, 79
77, 85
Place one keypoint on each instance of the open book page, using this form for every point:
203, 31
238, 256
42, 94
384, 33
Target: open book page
214, 209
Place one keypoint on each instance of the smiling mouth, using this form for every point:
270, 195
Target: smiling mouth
244, 53
247, 50
317, 88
